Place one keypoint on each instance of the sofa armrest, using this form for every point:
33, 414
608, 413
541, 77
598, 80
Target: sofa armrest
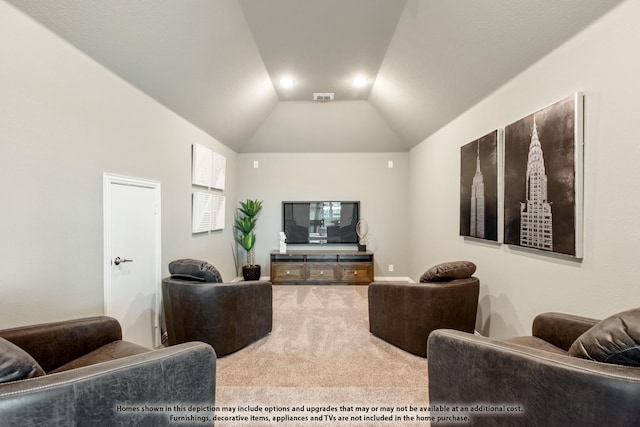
57, 343
145, 389
561, 329
538, 387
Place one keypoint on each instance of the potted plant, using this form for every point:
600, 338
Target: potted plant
245, 224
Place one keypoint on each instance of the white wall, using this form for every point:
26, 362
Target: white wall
603, 62
382, 193
335, 126
64, 121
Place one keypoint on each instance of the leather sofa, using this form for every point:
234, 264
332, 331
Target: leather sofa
404, 314
228, 316
81, 372
556, 377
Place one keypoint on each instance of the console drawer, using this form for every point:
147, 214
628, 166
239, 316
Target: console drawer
290, 272
357, 272
321, 272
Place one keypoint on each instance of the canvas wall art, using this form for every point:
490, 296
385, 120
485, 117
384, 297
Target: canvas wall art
479, 195
208, 212
543, 179
208, 167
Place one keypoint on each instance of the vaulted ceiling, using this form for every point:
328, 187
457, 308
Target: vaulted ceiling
218, 63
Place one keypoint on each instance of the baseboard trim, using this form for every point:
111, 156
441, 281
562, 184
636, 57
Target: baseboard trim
392, 279
375, 279
241, 279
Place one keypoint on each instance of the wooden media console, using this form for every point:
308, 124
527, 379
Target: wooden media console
318, 267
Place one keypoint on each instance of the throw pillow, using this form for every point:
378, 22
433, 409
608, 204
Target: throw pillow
615, 339
449, 271
16, 364
194, 269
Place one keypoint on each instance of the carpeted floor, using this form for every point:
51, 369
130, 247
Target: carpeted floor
321, 361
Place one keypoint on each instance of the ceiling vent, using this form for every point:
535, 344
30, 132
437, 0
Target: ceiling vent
323, 97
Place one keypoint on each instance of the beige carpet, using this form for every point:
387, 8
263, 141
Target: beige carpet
321, 361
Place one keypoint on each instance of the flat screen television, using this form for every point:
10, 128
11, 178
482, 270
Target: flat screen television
320, 222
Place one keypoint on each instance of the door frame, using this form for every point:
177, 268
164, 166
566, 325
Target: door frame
112, 179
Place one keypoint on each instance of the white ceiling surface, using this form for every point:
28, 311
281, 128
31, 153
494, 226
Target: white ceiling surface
217, 62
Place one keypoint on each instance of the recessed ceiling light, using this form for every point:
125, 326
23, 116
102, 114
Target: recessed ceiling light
286, 82
360, 81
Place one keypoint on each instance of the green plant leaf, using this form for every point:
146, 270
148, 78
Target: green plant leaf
245, 224
250, 208
247, 241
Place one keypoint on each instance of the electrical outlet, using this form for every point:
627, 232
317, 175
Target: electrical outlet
390, 267
256, 164
390, 164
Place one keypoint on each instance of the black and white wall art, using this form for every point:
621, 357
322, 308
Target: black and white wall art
479, 167
543, 165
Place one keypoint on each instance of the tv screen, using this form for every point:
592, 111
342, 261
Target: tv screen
320, 222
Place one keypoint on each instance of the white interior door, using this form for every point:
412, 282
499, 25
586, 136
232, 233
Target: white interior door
132, 257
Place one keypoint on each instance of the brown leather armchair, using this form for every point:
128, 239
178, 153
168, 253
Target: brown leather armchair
228, 316
80, 372
404, 314
537, 380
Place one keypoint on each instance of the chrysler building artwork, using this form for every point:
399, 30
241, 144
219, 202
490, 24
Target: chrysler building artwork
543, 179
479, 188
477, 202
536, 220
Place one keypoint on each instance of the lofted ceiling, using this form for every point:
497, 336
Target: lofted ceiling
322, 44
218, 63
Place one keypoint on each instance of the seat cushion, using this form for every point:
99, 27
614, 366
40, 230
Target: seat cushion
615, 339
113, 350
16, 364
535, 342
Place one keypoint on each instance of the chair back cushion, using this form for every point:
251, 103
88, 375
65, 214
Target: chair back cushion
449, 271
615, 339
193, 269
16, 364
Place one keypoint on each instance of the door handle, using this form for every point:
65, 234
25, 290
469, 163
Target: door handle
117, 260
